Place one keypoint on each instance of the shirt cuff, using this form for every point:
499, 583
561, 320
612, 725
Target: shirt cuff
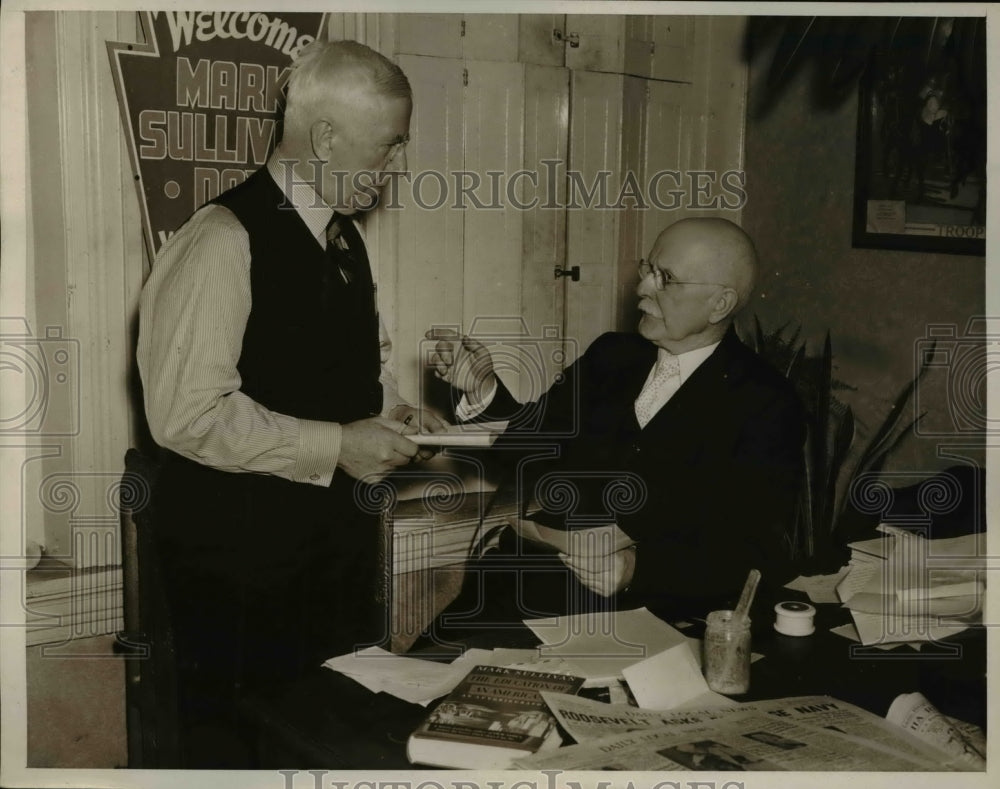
319, 451
464, 412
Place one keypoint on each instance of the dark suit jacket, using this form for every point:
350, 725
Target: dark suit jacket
708, 488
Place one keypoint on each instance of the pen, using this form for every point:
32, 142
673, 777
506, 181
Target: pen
406, 422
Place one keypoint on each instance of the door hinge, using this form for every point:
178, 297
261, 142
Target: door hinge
573, 39
465, 77
462, 32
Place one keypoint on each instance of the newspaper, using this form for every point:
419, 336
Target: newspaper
965, 743
837, 731
865, 727
586, 720
744, 740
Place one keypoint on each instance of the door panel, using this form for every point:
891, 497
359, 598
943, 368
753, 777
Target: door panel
493, 122
437, 35
429, 280
592, 222
542, 38
490, 37
599, 42
546, 138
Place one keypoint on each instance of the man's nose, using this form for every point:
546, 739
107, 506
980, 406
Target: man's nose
645, 287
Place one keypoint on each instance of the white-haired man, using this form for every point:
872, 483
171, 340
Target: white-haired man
263, 365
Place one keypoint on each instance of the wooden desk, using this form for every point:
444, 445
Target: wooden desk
439, 509
327, 721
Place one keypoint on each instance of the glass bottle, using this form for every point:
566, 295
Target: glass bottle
727, 653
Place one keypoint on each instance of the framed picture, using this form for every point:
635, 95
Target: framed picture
920, 173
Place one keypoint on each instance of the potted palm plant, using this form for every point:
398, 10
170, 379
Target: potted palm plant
831, 462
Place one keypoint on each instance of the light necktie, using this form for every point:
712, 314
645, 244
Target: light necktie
664, 381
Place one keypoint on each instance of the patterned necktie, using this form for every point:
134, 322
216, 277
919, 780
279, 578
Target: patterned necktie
664, 381
340, 239
340, 270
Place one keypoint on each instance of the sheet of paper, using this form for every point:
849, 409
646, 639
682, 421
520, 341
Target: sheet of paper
412, 679
530, 660
599, 646
860, 571
877, 546
877, 629
820, 588
667, 679
470, 434
850, 632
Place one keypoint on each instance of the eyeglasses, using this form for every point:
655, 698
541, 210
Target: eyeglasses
661, 278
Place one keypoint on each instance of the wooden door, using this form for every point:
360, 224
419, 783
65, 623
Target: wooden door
592, 221
431, 242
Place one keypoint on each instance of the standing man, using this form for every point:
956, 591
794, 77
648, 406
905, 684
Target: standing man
680, 435
263, 363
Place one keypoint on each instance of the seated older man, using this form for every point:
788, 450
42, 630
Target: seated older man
679, 435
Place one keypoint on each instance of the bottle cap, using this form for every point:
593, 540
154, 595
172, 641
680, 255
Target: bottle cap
794, 618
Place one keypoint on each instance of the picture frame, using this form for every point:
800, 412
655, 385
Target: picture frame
920, 166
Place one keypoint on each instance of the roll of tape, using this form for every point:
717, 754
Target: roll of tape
794, 618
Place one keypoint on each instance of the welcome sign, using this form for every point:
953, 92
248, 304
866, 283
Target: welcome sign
200, 103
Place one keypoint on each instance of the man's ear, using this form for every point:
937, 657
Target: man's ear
321, 137
725, 305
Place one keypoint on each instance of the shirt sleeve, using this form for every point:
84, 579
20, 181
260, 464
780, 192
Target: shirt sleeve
193, 312
464, 412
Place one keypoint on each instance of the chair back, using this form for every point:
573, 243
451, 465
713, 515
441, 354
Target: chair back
147, 642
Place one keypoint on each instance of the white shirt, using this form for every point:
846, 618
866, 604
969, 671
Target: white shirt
192, 315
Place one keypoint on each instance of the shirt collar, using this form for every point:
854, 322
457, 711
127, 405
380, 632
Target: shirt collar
689, 360
304, 198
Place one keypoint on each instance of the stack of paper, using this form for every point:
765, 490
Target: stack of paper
905, 588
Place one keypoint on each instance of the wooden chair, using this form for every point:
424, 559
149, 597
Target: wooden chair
147, 641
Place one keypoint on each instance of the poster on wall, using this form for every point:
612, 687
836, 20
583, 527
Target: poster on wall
920, 181
200, 103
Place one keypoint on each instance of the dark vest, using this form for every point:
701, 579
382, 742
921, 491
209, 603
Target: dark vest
304, 556
311, 346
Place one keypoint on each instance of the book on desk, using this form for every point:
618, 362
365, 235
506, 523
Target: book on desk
492, 717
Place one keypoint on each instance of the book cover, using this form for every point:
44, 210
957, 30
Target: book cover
492, 717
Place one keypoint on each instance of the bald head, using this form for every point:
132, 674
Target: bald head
702, 274
714, 250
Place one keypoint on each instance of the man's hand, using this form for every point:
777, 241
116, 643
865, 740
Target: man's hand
420, 418
423, 420
604, 573
462, 362
371, 448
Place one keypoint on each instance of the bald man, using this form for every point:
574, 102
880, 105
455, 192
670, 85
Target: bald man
263, 366
680, 435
